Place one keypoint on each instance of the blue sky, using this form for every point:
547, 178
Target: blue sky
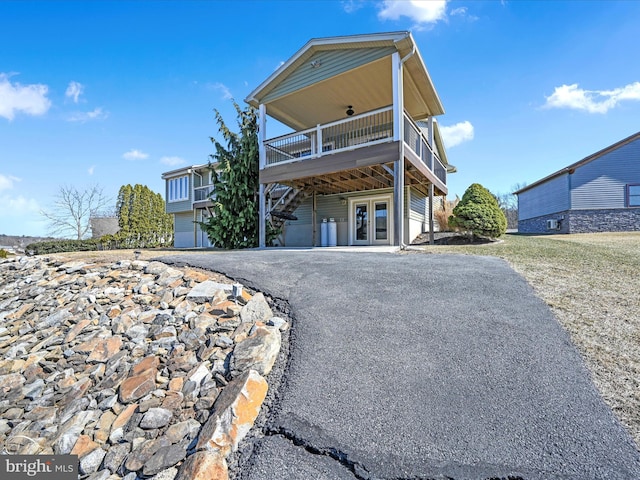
115, 93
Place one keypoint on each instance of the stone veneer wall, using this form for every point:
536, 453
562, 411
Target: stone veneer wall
539, 224
610, 220
585, 221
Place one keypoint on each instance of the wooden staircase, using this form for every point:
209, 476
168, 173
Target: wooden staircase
282, 201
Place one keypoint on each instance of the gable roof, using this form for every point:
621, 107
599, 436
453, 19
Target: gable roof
570, 169
321, 59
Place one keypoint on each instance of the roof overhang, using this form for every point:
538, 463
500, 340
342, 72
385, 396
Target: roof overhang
185, 171
366, 86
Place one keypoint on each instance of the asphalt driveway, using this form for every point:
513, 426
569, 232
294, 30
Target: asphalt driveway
416, 366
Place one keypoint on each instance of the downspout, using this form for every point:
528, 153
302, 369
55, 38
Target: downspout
408, 55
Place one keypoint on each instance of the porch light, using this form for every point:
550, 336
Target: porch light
315, 64
350, 110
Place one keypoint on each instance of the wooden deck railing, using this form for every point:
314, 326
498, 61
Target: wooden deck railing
350, 133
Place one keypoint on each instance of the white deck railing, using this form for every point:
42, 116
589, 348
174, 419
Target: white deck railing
201, 194
350, 133
416, 140
361, 130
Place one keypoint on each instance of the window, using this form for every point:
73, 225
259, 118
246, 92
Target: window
633, 195
179, 189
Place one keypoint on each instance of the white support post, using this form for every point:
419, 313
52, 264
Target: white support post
432, 162
262, 223
314, 207
430, 138
262, 213
398, 165
398, 107
262, 134
319, 148
432, 240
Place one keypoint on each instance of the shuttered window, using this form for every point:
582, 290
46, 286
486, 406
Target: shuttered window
633, 195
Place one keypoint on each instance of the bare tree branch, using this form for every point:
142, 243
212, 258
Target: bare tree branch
72, 208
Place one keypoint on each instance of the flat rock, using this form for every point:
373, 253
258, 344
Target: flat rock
234, 413
156, 418
91, 462
105, 349
256, 310
204, 465
206, 291
164, 458
258, 351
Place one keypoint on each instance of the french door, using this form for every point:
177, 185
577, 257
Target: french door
370, 221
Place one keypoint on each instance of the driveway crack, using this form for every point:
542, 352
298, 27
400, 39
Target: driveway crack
300, 432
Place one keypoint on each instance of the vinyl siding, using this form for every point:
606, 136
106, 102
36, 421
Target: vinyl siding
602, 182
549, 197
330, 206
334, 62
183, 222
183, 230
418, 204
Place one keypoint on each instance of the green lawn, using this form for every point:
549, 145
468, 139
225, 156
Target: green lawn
592, 283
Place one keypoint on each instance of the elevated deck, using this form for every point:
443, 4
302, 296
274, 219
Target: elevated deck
353, 154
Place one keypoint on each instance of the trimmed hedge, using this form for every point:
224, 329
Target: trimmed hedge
106, 242
57, 246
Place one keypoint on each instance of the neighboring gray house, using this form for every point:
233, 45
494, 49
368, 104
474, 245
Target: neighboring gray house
105, 225
187, 192
600, 193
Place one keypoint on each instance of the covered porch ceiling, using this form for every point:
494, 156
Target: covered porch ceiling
364, 86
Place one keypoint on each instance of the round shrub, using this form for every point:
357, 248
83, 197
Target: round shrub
478, 212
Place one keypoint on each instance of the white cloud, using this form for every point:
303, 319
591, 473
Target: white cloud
456, 134
351, 6
91, 169
458, 11
173, 161
591, 101
29, 99
18, 207
74, 90
6, 181
21, 216
420, 11
82, 117
222, 88
135, 155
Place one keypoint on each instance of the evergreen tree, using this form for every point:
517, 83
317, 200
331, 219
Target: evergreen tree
478, 212
235, 168
142, 218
